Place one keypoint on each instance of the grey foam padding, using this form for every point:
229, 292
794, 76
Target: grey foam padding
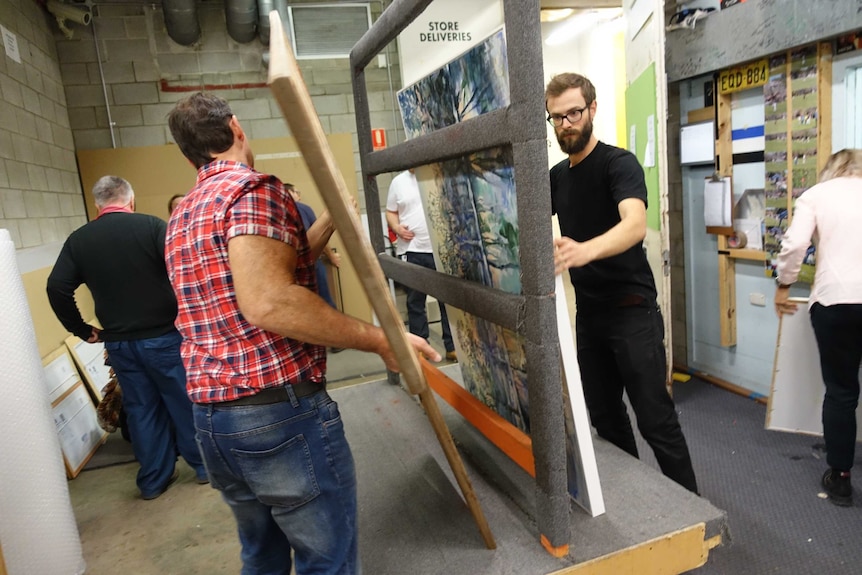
499, 307
479, 133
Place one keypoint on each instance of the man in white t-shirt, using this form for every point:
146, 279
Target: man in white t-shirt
405, 216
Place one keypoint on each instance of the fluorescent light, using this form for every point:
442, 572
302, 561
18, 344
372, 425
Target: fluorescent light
580, 23
555, 15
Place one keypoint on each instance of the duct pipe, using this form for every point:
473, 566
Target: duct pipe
241, 18
181, 21
264, 7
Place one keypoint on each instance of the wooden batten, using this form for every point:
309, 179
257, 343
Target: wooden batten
726, 263
824, 104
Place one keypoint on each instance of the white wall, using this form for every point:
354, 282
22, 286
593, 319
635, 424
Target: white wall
840, 64
592, 54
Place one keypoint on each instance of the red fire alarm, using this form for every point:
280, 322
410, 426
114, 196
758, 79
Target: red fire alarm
378, 139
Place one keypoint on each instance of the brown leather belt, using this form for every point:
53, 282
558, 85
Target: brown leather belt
276, 394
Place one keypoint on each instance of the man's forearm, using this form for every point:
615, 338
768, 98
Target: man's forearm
616, 240
319, 233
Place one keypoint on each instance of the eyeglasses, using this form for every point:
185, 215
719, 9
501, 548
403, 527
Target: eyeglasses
573, 116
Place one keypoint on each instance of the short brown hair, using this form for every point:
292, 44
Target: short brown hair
568, 80
200, 125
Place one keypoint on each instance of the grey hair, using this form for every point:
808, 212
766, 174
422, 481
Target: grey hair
112, 190
846, 163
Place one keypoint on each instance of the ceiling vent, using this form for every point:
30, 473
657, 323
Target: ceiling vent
327, 30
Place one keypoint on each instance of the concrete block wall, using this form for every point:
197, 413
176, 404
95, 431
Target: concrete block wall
40, 191
145, 73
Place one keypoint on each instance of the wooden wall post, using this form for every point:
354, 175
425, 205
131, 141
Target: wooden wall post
726, 264
824, 104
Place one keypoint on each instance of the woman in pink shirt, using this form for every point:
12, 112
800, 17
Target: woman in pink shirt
830, 213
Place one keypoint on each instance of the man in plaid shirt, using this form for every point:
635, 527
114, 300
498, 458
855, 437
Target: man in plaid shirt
255, 334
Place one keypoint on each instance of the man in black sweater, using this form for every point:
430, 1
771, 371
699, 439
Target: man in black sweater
120, 256
600, 197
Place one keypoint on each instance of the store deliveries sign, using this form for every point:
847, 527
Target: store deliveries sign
444, 31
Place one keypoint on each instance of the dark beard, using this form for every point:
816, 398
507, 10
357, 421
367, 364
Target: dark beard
577, 145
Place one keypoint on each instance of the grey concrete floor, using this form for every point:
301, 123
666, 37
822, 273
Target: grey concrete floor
188, 530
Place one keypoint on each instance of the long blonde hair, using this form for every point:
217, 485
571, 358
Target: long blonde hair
846, 163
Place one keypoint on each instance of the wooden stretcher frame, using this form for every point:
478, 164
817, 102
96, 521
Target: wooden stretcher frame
291, 93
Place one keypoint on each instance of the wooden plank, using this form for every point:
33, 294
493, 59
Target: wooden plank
824, 104
670, 554
726, 294
293, 98
726, 264
701, 115
2, 562
747, 254
724, 143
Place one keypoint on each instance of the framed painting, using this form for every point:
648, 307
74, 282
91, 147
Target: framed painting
60, 373
471, 207
78, 428
90, 359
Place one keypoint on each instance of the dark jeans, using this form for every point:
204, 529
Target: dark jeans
622, 349
838, 329
288, 475
417, 318
159, 411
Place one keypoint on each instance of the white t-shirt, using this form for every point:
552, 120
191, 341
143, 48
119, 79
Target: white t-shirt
404, 199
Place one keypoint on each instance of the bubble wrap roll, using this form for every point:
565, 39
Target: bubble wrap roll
38, 532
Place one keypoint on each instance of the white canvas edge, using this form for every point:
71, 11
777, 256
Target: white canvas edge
593, 500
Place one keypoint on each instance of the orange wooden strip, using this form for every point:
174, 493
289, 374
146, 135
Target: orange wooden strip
511, 440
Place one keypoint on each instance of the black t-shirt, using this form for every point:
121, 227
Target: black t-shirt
586, 198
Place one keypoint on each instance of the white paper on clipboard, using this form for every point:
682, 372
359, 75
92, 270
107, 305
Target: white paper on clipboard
717, 203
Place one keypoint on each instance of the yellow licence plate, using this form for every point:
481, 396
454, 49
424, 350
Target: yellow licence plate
743, 77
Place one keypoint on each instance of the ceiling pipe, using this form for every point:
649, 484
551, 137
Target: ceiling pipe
264, 7
241, 16
181, 21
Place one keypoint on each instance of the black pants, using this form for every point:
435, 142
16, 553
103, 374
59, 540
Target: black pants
622, 349
838, 329
417, 318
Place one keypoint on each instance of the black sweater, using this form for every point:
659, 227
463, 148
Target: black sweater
121, 258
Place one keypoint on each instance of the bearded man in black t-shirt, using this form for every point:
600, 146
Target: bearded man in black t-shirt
600, 198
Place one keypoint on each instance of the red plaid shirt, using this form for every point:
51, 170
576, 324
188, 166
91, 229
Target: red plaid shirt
224, 355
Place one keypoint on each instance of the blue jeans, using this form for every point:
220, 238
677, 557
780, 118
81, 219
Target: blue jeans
838, 330
159, 412
620, 349
287, 473
417, 317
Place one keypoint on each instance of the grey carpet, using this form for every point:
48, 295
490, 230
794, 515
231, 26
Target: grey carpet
768, 482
